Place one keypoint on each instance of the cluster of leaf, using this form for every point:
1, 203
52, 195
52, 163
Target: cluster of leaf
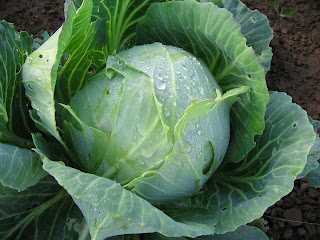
43, 194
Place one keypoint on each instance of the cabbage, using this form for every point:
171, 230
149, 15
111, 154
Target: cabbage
146, 120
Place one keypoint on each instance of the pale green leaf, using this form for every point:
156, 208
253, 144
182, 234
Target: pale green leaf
19, 168
40, 73
104, 106
102, 202
254, 26
241, 233
240, 193
201, 140
313, 157
213, 35
84, 53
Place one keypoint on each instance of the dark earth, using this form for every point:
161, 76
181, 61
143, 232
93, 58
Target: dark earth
295, 70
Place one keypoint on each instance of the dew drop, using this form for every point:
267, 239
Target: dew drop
189, 95
159, 75
29, 59
146, 153
141, 163
161, 85
183, 67
187, 86
166, 112
187, 146
199, 132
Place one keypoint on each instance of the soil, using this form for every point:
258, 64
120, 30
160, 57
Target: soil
295, 70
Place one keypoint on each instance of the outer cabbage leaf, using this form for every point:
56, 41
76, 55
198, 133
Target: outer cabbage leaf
313, 157
255, 28
211, 34
241, 233
19, 167
111, 210
84, 53
15, 126
239, 193
314, 177
43, 211
121, 17
40, 74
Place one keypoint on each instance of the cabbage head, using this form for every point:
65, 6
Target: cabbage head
160, 122
146, 120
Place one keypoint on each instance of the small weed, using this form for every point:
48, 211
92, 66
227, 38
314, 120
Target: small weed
280, 9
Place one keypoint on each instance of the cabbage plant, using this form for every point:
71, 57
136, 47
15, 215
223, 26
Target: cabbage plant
146, 120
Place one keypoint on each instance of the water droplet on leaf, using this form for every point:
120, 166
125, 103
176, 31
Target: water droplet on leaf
166, 112
187, 146
161, 85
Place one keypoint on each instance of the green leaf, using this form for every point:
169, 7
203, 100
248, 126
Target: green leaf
254, 26
312, 169
241, 233
40, 73
314, 177
198, 151
15, 125
177, 77
103, 108
239, 193
314, 154
43, 211
84, 53
111, 210
19, 168
121, 17
313, 157
213, 35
